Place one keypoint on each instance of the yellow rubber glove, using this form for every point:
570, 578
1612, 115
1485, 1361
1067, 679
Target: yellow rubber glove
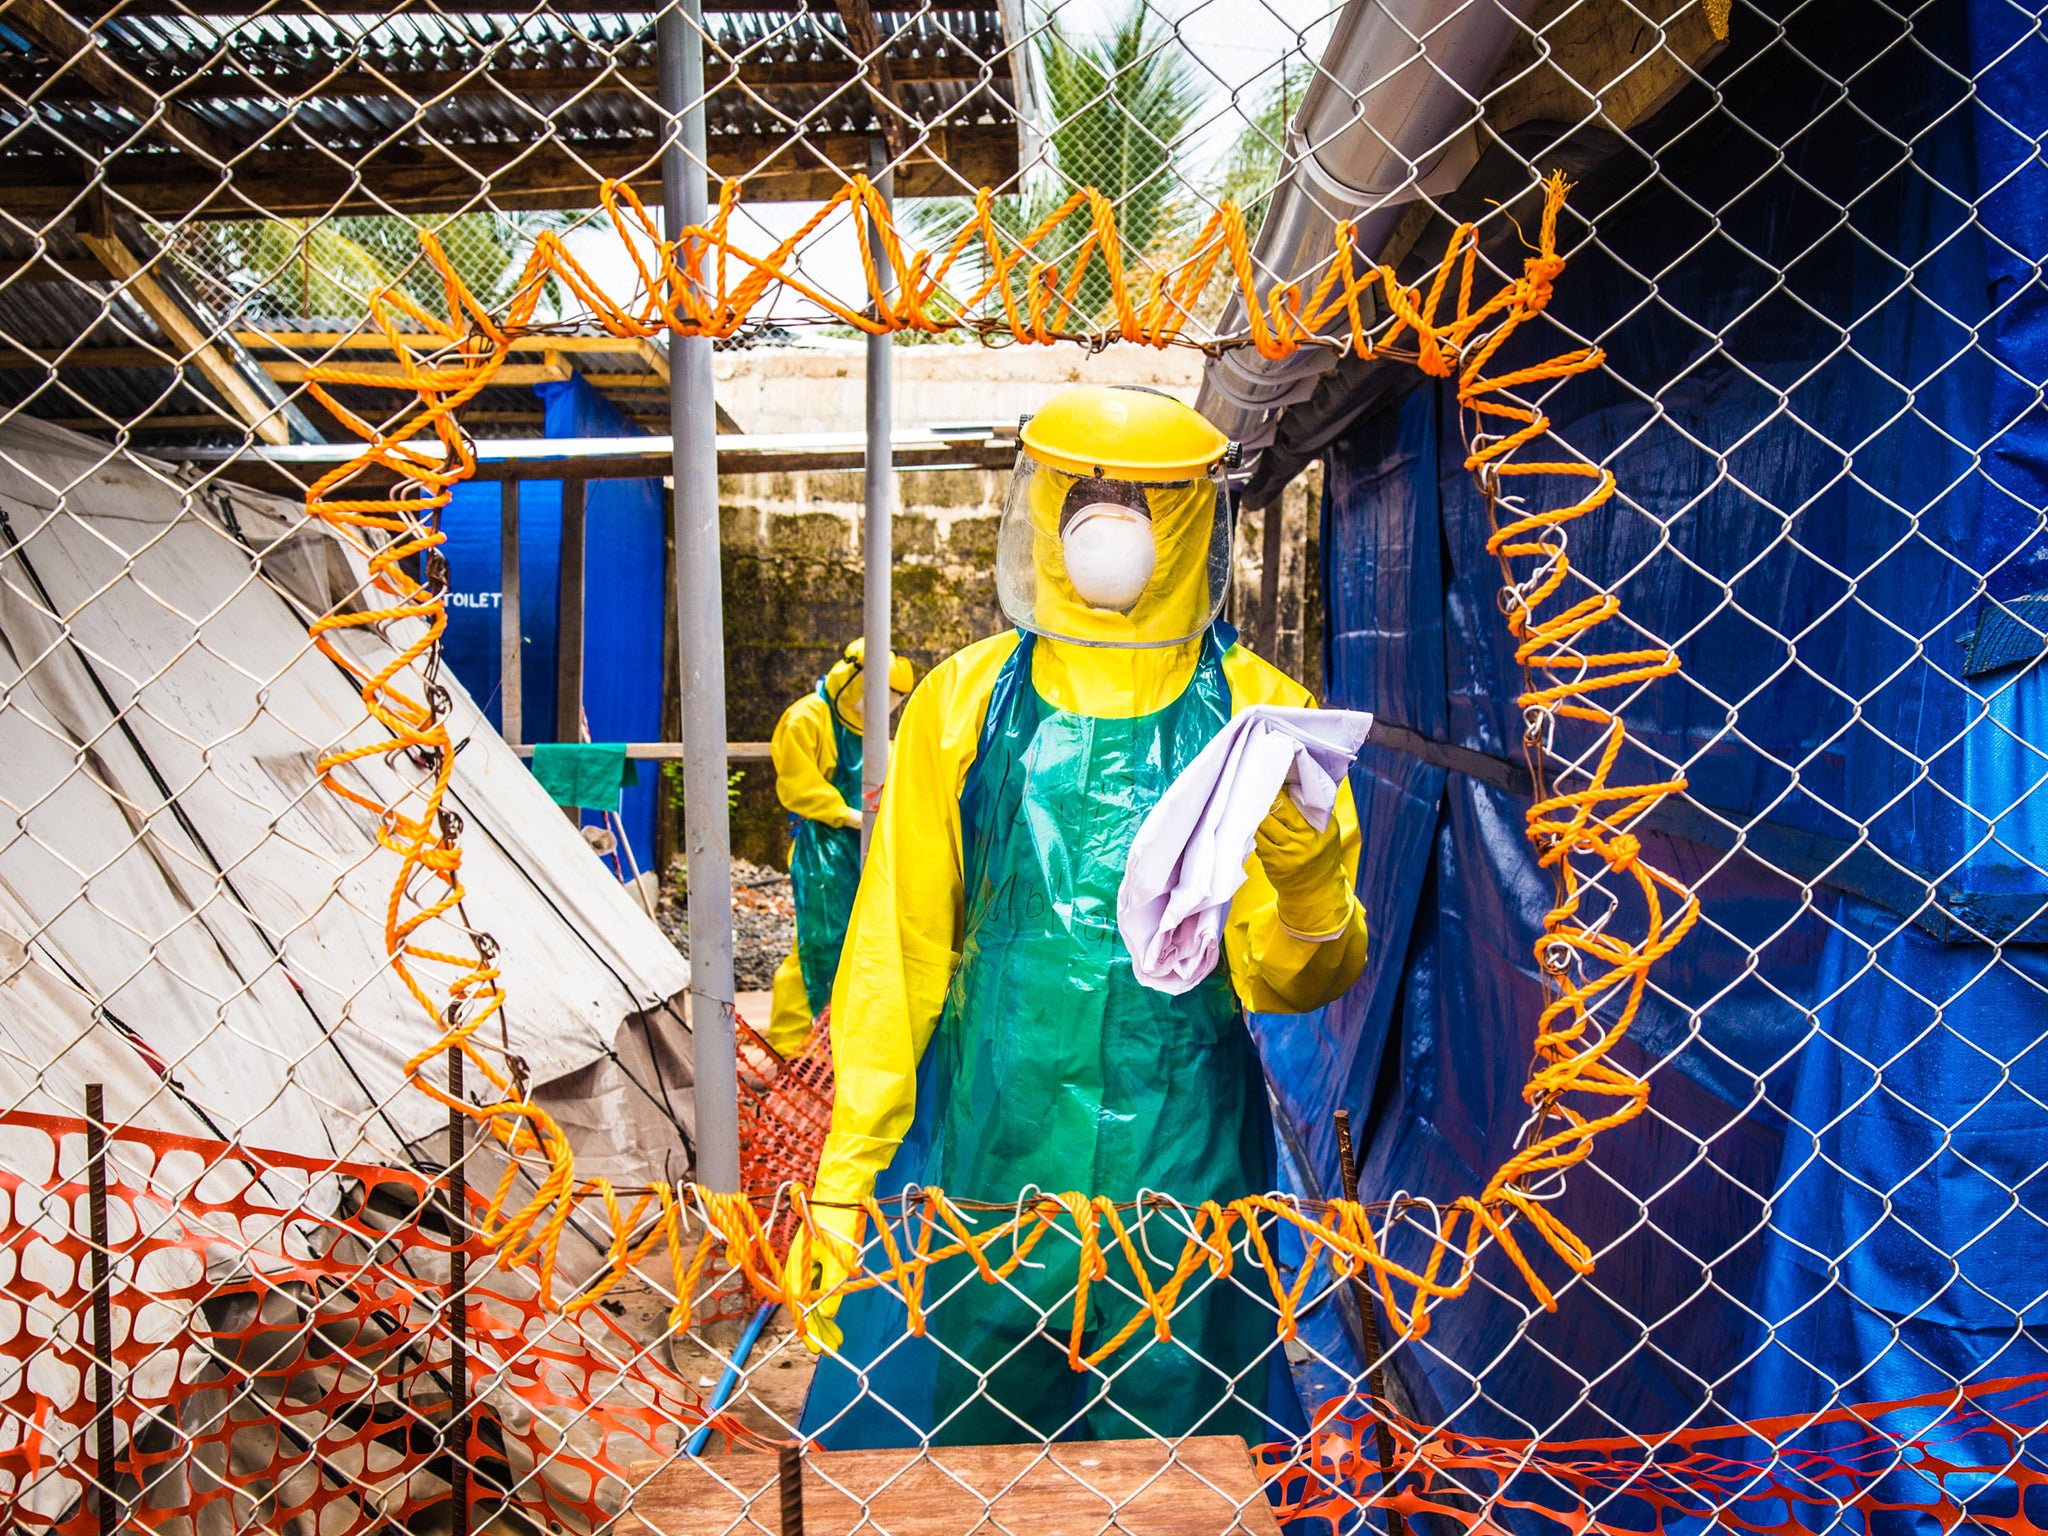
1306, 868
819, 1266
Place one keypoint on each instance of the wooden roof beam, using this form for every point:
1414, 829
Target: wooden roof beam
866, 39
296, 183
258, 414
357, 81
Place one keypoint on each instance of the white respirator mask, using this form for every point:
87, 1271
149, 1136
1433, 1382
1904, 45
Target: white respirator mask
1109, 555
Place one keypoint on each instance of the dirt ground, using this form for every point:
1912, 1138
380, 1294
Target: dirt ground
769, 1396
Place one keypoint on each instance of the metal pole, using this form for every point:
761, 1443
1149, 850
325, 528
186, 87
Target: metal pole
511, 686
102, 1301
700, 627
878, 539
458, 1305
1368, 1319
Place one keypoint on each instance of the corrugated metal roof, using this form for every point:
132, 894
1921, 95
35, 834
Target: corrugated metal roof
420, 111
348, 86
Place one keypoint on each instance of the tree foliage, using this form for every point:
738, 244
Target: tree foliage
1117, 108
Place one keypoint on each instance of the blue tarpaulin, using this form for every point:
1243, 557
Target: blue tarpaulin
622, 623
1822, 404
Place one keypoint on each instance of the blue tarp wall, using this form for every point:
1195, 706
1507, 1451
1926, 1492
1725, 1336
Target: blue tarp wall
1836, 1193
623, 611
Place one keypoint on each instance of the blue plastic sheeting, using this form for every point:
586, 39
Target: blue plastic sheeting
623, 609
1832, 1197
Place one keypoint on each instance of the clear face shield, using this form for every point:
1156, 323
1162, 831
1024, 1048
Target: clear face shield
1096, 560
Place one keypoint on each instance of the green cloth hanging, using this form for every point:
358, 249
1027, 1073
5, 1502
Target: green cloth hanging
585, 774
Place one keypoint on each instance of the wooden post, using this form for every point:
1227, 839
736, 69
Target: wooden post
569, 626
102, 1301
569, 618
511, 686
1269, 583
1368, 1318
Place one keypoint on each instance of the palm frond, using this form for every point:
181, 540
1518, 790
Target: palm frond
1119, 107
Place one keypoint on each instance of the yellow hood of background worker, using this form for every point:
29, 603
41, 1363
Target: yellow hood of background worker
988, 1031
817, 753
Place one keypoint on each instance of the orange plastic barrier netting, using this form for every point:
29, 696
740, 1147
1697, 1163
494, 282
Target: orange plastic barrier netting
1969, 1455
785, 1111
281, 1351
783, 1126
1596, 976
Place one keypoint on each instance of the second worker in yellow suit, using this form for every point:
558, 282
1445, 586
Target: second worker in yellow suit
817, 753
990, 1036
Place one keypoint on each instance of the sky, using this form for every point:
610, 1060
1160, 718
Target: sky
1237, 45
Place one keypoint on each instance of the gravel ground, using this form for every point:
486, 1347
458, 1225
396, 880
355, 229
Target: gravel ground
763, 922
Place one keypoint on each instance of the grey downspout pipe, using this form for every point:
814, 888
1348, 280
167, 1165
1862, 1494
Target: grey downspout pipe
1391, 115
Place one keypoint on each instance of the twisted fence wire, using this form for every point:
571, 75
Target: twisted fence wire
309, 248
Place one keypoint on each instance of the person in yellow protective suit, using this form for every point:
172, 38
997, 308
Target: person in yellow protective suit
817, 752
989, 1033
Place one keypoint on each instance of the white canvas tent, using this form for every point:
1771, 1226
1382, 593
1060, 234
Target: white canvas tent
177, 884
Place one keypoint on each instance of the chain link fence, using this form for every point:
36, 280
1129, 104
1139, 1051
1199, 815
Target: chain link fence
1695, 578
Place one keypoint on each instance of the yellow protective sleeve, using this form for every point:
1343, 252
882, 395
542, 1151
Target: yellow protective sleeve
904, 940
789, 1008
805, 758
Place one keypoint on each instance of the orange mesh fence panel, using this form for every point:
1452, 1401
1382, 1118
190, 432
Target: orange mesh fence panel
281, 1351
1935, 1461
783, 1126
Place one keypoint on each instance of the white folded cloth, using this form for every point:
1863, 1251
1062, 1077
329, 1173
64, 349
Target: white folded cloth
1188, 858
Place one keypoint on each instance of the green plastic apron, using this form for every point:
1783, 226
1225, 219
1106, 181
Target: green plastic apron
1052, 1066
824, 872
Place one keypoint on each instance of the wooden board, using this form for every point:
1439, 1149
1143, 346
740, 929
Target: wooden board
1201, 1487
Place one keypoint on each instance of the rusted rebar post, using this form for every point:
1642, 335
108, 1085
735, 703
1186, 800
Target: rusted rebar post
1369, 1325
458, 1306
789, 1466
102, 1300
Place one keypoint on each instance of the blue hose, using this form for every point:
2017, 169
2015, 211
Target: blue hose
731, 1378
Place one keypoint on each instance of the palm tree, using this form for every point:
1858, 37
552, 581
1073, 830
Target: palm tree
1119, 107
277, 270
1251, 166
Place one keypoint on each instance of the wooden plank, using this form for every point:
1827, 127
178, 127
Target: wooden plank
243, 77
553, 371
243, 8
53, 269
1622, 59
866, 39
511, 685
262, 474
372, 340
430, 178
184, 334
1205, 1486
16, 358
569, 599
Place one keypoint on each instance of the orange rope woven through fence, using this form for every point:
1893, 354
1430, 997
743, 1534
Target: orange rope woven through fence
1577, 1089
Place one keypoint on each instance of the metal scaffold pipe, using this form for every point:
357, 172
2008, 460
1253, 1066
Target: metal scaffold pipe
878, 535
700, 628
